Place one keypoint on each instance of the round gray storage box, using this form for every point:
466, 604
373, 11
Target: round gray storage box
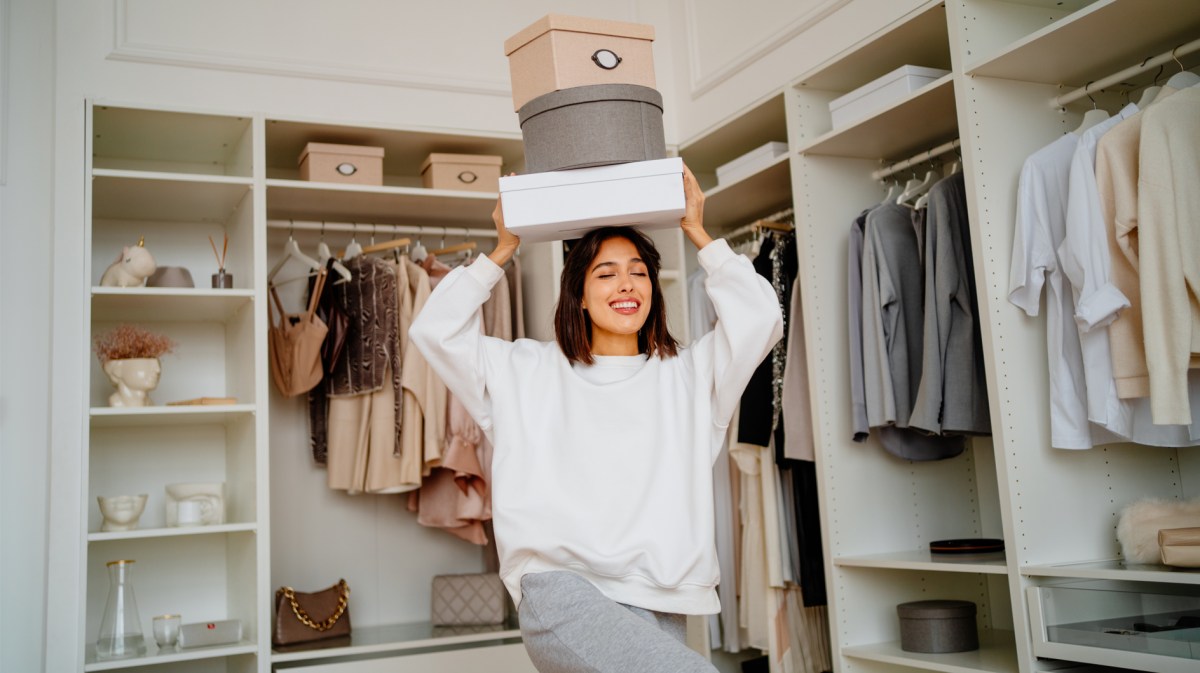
938, 627
592, 126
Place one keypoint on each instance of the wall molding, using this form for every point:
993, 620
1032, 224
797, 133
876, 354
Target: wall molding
124, 49
702, 83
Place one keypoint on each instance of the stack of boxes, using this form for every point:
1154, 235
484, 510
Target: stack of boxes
592, 126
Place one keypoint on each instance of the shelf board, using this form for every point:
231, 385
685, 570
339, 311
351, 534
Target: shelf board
165, 137
997, 653
991, 564
165, 304
219, 414
924, 119
398, 638
301, 200
165, 197
754, 127
1114, 569
1066, 53
920, 39
91, 663
753, 196
173, 532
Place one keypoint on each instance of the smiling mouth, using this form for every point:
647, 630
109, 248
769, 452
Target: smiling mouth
625, 306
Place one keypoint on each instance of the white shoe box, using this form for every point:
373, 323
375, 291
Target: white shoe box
562, 205
870, 98
750, 162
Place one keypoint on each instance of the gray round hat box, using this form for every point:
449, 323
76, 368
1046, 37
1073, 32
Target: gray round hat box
938, 627
595, 125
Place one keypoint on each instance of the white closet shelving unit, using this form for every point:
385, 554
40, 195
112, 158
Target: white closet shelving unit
176, 177
1056, 510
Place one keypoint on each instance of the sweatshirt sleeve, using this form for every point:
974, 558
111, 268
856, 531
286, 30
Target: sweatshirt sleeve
749, 323
449, 333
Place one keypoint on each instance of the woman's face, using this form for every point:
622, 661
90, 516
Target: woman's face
617, 291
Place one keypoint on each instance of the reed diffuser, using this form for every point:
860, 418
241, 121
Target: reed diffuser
220, 279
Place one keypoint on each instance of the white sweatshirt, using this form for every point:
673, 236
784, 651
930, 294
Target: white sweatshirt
612, 481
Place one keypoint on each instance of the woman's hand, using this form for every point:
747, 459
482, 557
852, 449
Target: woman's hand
506, 243
692, 222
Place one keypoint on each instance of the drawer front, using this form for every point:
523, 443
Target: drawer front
497, 659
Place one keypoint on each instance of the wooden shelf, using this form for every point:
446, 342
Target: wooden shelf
192, 142
1069, 52
1114, 569
752, 197
114, 417
161, 304
760, 124
399, 638
169, 656
300, 200
996, 654
165, 197
991, 564
173, 532
920, 39
926, 118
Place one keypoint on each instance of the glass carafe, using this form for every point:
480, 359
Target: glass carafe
121, 634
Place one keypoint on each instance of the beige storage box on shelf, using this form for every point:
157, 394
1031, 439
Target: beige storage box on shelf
469, 172
347, 164
560, 52
567, 204
874, 96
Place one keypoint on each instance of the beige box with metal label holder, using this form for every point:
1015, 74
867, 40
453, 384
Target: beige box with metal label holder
468, 172
347, 164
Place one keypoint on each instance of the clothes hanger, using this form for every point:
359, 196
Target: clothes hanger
1093, 116
466, 246
418, 252
324, 255
291, 250
354, 248
1182, 79
891, 186
913, 190
1151, 92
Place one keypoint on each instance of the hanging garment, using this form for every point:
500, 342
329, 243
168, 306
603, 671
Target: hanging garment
513, 271
797, 406
295, 344
1169, 245
952, 395
799, 636
423, 429
723, 627
754, 586
363, 444
372, 344
1098, 270
334, 316
702, 316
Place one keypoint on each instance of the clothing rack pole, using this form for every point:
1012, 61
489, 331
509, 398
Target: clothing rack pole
367, 227
753, 226
918, 159
1132, 71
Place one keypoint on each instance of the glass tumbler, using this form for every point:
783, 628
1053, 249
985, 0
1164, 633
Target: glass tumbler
121, 634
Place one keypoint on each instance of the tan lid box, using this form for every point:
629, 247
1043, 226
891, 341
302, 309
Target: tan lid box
468, 172
347, 164
559, 52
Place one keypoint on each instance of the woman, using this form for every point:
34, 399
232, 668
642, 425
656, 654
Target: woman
604, 441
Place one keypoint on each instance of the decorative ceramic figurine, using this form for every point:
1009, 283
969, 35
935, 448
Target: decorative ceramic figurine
131, 268
196, 504
121, 512
133, 378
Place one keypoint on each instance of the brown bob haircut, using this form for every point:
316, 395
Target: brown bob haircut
573, 325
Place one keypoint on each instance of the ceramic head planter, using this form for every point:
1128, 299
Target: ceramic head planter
134, 379
121, 512
131, 268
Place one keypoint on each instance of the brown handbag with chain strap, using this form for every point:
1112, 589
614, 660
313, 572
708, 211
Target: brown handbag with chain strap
303, 618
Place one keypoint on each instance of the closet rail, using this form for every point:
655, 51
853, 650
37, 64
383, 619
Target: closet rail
921, 158
366, 228
1132, 71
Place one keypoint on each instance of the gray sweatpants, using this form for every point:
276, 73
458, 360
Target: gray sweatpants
570, 627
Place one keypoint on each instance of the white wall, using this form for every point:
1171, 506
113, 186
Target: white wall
26, 211
730, 55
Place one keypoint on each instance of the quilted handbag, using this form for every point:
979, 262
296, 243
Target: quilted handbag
305, 617
473, 599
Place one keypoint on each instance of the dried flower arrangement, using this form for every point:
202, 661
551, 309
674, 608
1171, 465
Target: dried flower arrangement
130, 341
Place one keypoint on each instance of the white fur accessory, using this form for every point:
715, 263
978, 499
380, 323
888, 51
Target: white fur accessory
1137, 530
